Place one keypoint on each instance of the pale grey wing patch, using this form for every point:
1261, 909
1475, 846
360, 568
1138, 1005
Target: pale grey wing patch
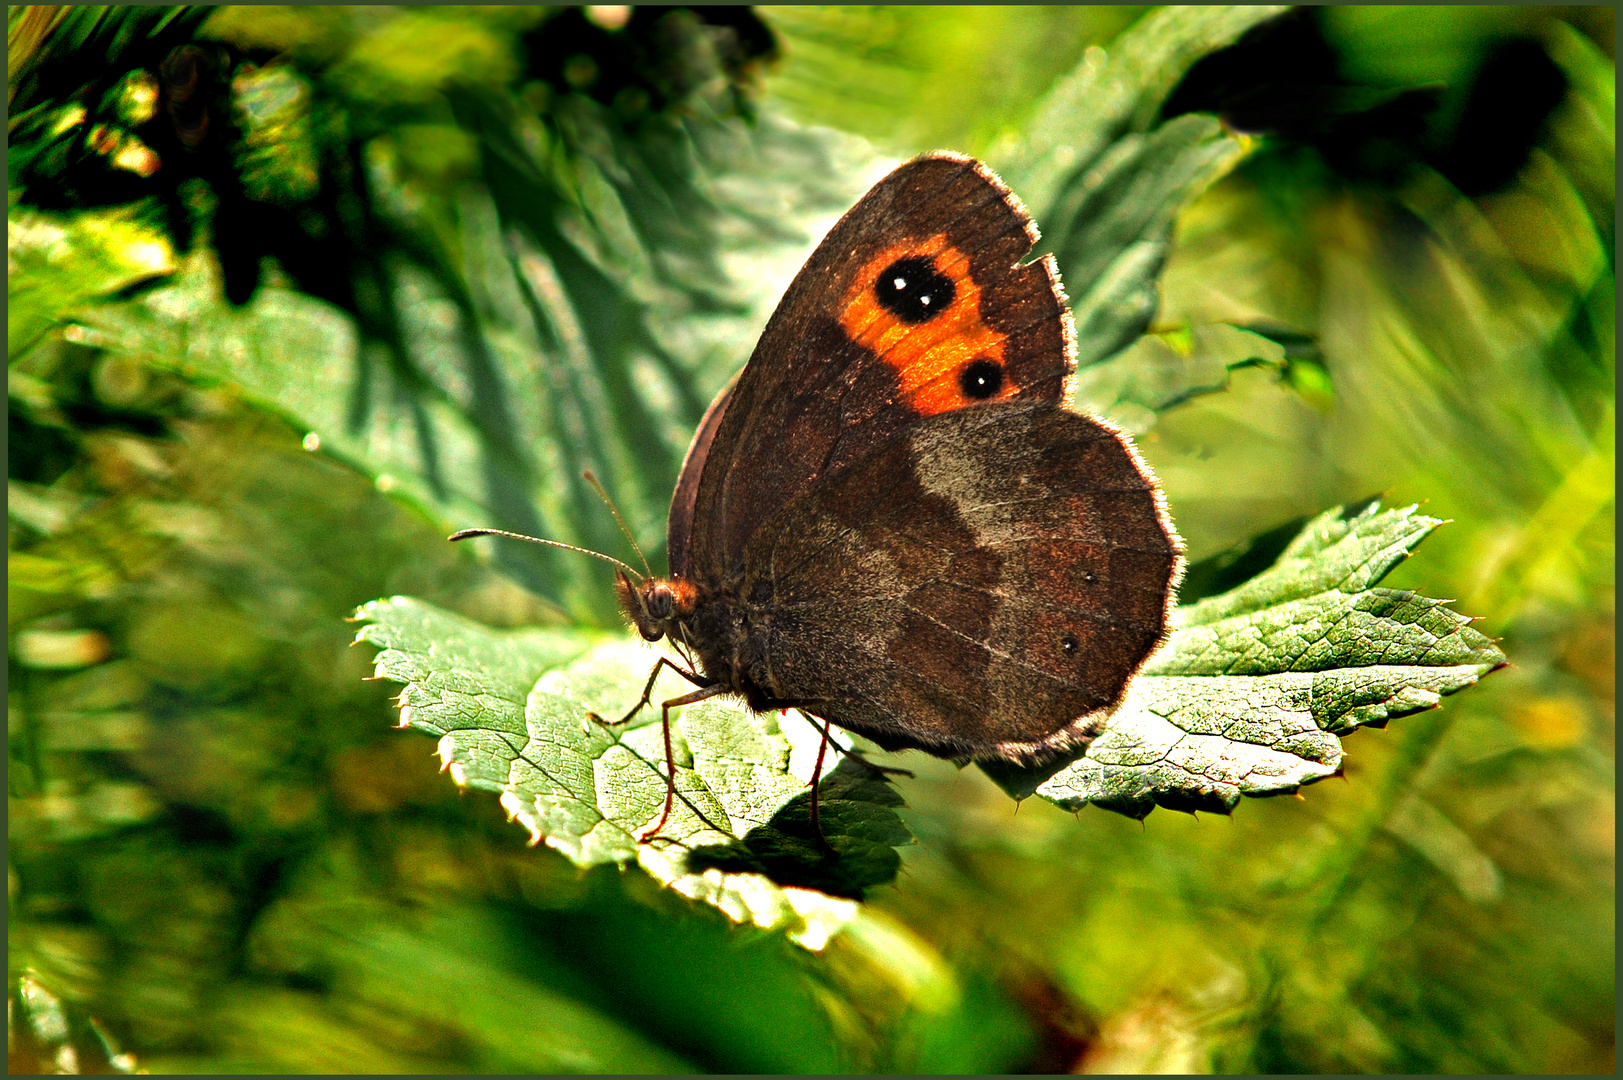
864, 579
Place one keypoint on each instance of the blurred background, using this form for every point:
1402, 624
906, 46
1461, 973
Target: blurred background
295, 291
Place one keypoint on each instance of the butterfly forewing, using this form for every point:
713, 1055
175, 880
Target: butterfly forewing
916, 303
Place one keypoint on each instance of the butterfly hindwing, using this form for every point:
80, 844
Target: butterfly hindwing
915, 304
992, 601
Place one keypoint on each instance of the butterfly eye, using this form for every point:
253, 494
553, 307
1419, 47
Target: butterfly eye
982, 379
660, 603
1070, 645
913, 290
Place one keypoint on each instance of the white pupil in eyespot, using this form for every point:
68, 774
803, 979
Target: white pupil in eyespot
899, 283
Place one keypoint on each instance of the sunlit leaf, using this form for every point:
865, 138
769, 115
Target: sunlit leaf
1159, 371
512, 712
1105, 182
926, 77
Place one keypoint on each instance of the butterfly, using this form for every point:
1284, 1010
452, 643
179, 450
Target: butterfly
891, 522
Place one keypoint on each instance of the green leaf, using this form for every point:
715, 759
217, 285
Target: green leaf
922, 77
445, 963
1162, 370
855, 807
1117, 91
512, 712
1106, 182
1254, 686
52, 49
1583, 129
1110, 226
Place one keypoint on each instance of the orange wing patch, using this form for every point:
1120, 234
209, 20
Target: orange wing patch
917, 307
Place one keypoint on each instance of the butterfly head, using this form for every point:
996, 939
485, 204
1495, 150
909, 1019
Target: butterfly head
655, 605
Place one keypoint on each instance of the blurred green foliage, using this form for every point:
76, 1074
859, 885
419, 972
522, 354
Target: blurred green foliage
295, 289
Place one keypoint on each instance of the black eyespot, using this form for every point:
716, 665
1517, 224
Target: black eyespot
913, 290
1088, 577
1070, 645
982, 379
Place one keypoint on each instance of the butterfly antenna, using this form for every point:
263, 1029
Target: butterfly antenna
465, 533
591, 478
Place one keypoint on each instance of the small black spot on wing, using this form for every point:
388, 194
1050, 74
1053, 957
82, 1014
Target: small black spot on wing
981, 379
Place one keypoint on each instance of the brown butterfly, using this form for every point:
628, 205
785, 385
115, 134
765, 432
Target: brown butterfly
891, 522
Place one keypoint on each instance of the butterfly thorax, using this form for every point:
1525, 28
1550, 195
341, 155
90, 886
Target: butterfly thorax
725, 633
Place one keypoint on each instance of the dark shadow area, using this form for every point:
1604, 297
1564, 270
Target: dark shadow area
1286, 79
857, 805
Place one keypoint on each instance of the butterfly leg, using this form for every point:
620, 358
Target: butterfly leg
817, 774
710, 691
648, 689
799, 705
